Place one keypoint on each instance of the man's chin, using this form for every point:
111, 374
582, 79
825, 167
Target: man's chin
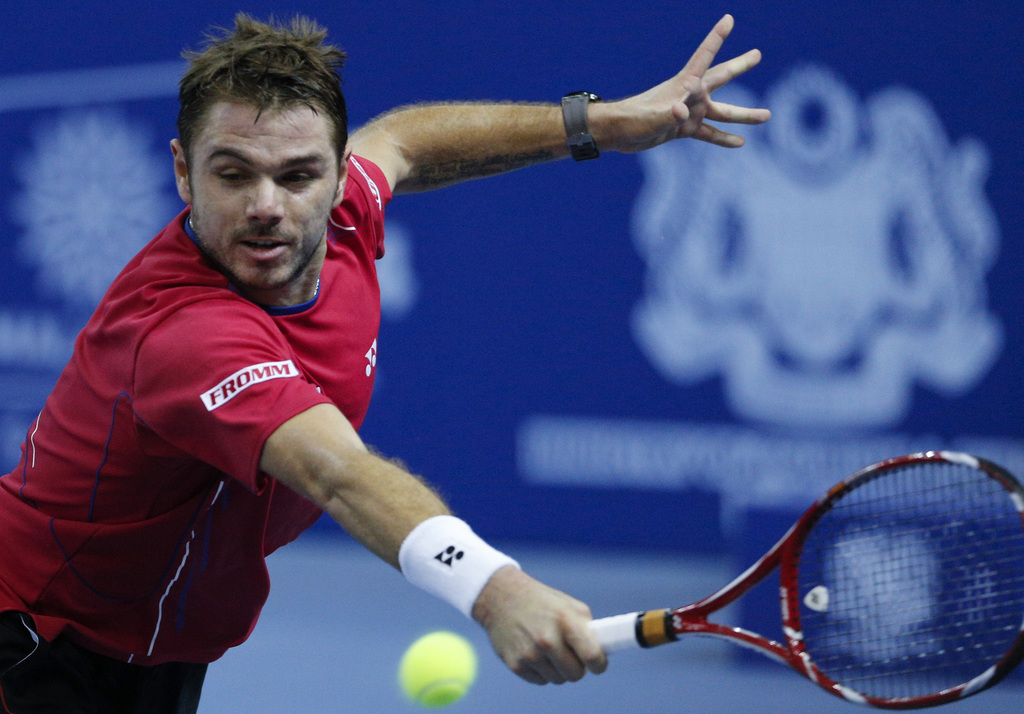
270, 289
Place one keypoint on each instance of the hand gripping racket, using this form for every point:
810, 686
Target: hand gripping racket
902, 587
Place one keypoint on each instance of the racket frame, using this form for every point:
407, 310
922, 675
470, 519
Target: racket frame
657, 627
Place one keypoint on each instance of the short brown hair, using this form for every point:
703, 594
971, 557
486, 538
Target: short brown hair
267, 65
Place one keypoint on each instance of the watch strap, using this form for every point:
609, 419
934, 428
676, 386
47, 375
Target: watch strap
577, 131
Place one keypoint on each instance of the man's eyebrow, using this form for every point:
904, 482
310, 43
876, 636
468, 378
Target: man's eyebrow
304, 160
228, 154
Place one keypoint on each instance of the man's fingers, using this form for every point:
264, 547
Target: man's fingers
714, 135
724, 72
551, 668
737, 115
585, 645
529, 674
579, 653
566, 657
705, 54
567, 667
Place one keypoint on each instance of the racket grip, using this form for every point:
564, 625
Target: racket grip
617, 632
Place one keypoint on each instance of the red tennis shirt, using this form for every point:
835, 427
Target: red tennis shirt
137, 521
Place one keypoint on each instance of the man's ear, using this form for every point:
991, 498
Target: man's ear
342, 177
181, 171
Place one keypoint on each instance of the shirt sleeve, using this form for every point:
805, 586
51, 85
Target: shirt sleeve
366, 194
216, 379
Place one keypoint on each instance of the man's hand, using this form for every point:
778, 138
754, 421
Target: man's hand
680, 107
540, 633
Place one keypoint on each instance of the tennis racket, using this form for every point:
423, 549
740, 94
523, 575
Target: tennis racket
902, 587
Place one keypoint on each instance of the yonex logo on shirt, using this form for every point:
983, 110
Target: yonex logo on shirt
245, 378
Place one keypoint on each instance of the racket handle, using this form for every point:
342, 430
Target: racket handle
617, 632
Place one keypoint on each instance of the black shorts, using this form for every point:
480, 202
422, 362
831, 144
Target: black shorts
59, 677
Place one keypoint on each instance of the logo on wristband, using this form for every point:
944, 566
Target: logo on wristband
448, 555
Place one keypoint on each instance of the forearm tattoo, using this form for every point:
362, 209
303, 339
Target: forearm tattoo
435, 175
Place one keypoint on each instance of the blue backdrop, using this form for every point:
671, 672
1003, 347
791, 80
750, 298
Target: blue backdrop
634, 351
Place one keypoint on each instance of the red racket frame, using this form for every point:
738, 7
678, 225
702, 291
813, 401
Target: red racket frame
658, 627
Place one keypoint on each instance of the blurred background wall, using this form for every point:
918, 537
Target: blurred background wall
666, 355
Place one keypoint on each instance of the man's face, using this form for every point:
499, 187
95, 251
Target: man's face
262, 186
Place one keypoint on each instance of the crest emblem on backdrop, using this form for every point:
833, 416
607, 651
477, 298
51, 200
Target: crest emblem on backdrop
824, 269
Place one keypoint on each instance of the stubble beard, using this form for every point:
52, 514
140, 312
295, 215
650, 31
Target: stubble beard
299, 262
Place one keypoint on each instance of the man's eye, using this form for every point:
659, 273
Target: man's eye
299, 177
231, 176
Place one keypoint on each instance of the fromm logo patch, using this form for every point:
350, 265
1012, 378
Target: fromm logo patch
245, 378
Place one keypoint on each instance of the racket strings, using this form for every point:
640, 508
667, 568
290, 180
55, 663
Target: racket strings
913, 582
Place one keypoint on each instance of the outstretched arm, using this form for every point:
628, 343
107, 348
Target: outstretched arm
541, 633
432, 145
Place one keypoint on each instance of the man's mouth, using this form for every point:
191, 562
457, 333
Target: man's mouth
265, 249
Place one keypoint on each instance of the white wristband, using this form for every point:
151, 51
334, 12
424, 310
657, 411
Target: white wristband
443, 556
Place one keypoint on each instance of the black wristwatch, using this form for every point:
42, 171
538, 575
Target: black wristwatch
577, 132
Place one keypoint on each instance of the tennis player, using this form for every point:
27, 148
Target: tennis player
210, 411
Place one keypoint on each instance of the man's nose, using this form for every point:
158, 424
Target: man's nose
265, 203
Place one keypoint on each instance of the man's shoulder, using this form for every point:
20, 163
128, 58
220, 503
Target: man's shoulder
168, 278
366, 184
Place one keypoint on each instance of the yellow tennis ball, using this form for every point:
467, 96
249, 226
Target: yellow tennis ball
437, 669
